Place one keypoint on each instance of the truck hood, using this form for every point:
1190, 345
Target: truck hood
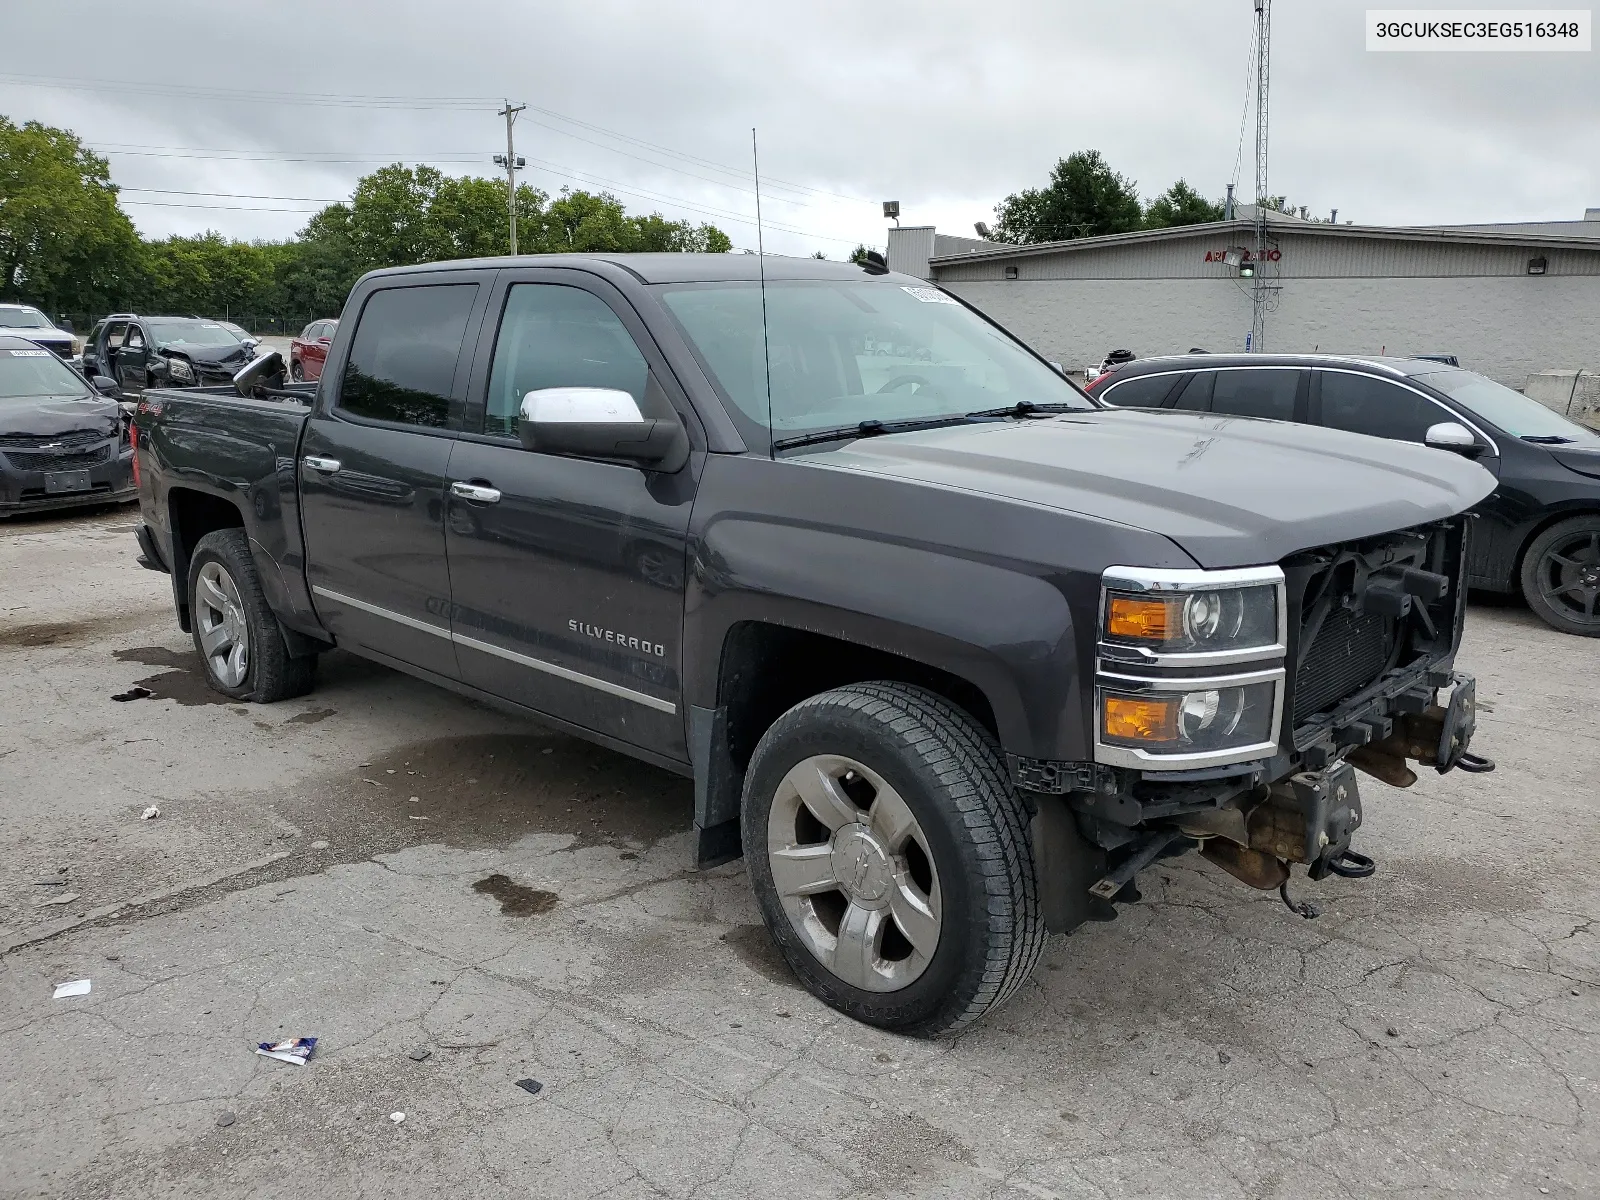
1231, 491
48, 416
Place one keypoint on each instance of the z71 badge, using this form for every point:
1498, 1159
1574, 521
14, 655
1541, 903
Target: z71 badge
621, 640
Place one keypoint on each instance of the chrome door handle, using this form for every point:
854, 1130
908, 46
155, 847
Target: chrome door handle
317, 463
476, 493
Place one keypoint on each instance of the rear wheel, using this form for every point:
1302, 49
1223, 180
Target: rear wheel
890, 857
1561, 575
235, 633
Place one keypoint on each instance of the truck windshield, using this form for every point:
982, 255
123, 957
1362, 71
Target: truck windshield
842, 352
31, 374
23, 318
192, 333
1506, 409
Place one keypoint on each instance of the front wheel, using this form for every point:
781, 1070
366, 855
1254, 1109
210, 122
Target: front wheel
1561, 575
235, 632
890, 857
297, 372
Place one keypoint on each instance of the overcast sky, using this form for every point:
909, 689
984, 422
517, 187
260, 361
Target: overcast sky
946, 106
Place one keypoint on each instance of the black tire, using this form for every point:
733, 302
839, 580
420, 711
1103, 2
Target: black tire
950, 773
271, 673
1561, 575
296, 371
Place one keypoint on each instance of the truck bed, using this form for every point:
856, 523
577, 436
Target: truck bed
210, 457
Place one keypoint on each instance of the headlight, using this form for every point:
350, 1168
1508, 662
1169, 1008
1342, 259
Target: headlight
1191, 622
180, 370
1190, 667
1188, 722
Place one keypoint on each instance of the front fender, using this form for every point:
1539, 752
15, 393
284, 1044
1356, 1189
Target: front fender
1003, 596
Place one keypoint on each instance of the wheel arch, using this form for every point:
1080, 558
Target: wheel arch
191, 514
1577, 508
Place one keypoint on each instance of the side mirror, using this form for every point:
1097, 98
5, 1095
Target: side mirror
1453, 436
600, 423
265, 370
105, 385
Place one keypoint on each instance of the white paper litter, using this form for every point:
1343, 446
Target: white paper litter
78, 987
397, 1117
150, 814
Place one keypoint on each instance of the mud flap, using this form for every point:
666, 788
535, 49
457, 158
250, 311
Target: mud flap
718, 785
1065, 863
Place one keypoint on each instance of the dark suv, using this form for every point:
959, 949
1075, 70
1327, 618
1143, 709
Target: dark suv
1539, 531
141, 352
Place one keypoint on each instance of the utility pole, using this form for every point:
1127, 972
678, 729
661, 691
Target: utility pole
1258, 298
512, 164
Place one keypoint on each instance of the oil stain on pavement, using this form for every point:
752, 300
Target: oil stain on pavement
516, 900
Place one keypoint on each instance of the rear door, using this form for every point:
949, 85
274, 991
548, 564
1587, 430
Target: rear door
1270, 393
568, 584
315, 352
372, 463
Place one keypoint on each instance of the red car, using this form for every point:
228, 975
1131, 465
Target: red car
309, 351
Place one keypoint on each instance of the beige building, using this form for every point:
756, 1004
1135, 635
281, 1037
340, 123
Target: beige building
1506, 300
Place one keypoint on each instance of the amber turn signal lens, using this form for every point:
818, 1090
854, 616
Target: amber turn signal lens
1140, 718
1149, 620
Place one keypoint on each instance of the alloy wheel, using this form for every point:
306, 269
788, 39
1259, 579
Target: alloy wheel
224, 631
1569, 576
854, 872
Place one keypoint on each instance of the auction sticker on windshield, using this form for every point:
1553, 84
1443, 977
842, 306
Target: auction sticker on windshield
928, 295
29, 353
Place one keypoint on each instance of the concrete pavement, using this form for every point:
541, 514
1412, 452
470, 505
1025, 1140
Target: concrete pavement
385, 866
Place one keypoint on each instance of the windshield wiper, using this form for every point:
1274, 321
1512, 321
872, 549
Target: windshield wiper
1547, 439
863, 429
1027, 408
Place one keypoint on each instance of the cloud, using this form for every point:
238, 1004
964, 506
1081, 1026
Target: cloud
946, 106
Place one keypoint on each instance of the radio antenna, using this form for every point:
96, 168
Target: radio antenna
761, 264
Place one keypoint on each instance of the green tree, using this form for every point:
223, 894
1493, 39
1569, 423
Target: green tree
859, 254
1180, 204
64, 243
1084, 198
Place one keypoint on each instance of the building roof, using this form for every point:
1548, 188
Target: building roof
1242, 231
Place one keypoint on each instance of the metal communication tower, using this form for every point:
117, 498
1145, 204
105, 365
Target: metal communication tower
1259, 293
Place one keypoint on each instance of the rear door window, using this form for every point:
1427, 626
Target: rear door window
1196, 394
1362, 404
1256, 392
1142, 391
402, 364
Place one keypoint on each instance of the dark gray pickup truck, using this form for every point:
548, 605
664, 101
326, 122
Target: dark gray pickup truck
950, 653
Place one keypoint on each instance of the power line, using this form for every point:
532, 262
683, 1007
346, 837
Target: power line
193, 92
225, 195
221, 207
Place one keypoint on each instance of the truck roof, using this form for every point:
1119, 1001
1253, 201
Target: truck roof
673, 268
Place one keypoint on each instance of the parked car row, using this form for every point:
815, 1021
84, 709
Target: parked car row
1538, 533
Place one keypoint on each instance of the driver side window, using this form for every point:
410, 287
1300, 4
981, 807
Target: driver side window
553, 335
135, 338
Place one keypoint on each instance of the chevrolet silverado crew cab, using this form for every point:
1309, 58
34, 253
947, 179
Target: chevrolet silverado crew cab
950, 653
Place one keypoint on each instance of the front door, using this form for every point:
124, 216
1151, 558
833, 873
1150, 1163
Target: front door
566, 574
133, 360
372, 474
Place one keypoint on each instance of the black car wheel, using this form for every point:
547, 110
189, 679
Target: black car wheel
297, 372
1561, 575
890, 857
